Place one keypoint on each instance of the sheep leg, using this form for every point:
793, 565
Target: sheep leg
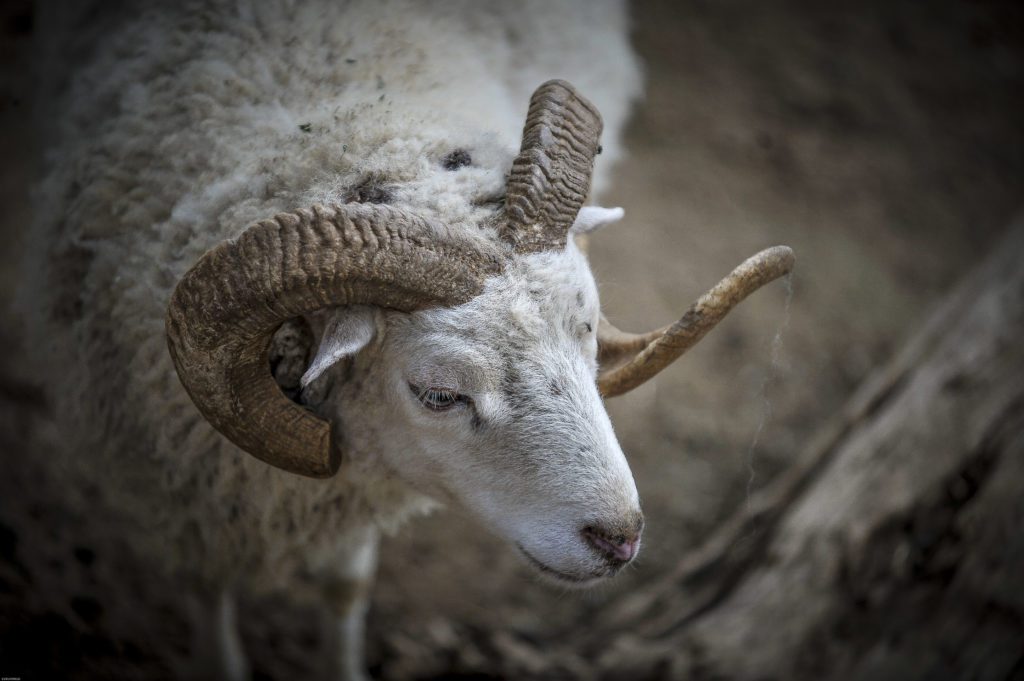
216, 648
233, 663
348, 598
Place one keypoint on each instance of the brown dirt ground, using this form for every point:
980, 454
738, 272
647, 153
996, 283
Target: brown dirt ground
882, 141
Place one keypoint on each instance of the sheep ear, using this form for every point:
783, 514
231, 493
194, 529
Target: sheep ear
343, 331
593, 218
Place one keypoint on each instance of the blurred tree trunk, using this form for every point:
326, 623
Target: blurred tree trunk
894, 550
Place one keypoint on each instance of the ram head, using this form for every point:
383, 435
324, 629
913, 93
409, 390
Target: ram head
476, 368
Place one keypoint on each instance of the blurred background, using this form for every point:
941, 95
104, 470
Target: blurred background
882, 140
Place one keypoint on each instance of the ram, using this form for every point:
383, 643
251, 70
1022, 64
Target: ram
293, 281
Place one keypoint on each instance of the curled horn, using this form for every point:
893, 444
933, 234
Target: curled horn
549, 182
550, 177
628, 360
224, 310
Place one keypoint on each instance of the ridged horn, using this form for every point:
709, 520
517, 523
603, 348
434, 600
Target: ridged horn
550, 177
224, 310
628, 360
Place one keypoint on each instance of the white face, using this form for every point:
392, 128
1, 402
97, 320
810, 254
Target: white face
494, 405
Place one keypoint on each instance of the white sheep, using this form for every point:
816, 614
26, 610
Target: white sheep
454, 343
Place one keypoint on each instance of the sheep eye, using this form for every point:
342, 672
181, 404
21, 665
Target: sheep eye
437, 399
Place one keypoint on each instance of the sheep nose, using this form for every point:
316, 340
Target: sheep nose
617, 546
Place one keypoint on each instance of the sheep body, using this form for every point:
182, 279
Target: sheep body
183, 123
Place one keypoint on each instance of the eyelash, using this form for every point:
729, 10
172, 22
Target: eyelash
438, 399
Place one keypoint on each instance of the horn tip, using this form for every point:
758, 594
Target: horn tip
782, 256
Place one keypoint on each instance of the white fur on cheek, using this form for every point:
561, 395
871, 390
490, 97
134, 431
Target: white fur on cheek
532, 453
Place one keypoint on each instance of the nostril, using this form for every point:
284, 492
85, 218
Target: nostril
618, 548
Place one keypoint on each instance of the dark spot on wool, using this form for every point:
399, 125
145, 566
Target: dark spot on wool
555, 387
351, 61
590, 328
84, 555
456, 159
511, 386
370, 190
306, 127
89, 609
599, 148
511, 378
